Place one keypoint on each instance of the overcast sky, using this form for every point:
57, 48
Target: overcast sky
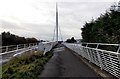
36, 18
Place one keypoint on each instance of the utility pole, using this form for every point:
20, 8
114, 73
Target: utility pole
56, 23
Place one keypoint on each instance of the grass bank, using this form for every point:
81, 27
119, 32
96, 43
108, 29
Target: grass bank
27, 66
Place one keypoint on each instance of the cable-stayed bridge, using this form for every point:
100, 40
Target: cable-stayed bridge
65, 61
104, 59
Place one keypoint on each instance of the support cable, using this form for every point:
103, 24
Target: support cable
60, 33
53, 36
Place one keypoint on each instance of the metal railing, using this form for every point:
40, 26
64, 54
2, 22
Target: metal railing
9, 48
8, 52
106, 60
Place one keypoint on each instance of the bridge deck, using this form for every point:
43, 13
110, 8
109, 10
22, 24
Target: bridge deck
65, 64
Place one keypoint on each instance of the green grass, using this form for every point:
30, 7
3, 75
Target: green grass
27, 66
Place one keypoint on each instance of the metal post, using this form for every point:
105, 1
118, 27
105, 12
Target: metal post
56, 23
6, 48
112, 63
87, 45
17, 47
29, 45
119, 58
118, 49
97, 46
99, 59
88, 55
24, 45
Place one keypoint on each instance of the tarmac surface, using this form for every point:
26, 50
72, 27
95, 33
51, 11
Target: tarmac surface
65, 64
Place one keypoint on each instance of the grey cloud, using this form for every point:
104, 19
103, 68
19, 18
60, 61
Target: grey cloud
8, 25
72, 17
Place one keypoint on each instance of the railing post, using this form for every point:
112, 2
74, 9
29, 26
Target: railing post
89, 55
87, 45
29, 45
99, 59
112, 63
119, 57
118, 49
24, 45
17, 47
6, 49
105, 61
97, 46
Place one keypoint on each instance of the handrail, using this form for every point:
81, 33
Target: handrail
106, 60
16, 47
102, 44
18, 44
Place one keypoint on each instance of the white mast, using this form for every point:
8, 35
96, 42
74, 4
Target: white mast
56, 23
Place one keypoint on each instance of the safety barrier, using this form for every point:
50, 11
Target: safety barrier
6, 49
106, 60
8, 52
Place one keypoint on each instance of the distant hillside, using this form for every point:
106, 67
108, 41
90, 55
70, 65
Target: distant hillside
106, 29
11, 39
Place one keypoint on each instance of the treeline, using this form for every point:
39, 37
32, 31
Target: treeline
72, 40
11, 39
105, 29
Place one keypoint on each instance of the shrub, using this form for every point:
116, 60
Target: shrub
27, 66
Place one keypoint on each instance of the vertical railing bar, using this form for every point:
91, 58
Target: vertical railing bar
87, 45
97, 46
6, 48
24, 45
100, 57
111, 62
118, 49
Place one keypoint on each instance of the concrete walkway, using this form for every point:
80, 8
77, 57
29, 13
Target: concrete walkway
65, 64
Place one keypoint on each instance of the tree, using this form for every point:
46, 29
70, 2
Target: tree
72, 40
11, 39
105, 29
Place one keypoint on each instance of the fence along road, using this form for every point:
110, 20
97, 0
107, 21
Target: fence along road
106, 60
65, 64
7, 52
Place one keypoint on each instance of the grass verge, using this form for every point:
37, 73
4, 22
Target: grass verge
27, 66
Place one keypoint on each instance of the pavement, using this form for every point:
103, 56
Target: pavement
65, 64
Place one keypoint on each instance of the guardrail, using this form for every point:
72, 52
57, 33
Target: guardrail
7, 52
16, 47
106, 60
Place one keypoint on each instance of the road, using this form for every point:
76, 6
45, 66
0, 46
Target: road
6, 57
65, 64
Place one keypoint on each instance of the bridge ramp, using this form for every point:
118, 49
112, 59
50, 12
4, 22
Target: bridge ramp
65, 64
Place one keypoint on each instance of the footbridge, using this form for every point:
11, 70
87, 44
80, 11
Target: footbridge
107, 60
64, 63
